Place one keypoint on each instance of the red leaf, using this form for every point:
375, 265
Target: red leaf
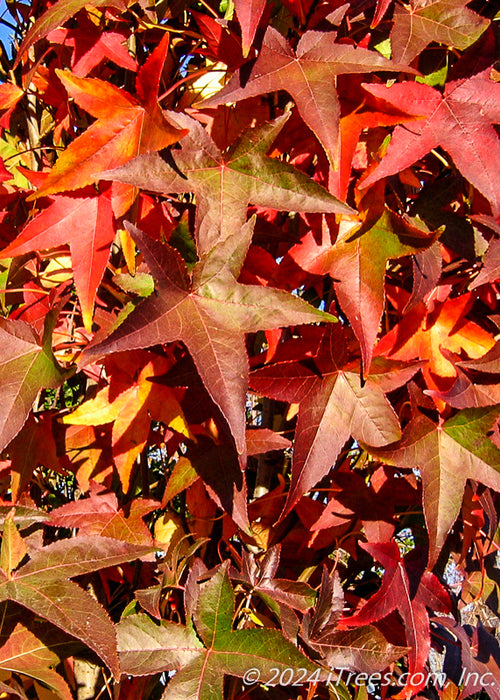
308, 75
91, 46
460, 121
57, 15
210, 313
436, 450
422, 334
249, 13
334, 405
83, 220
409, 590
226, 182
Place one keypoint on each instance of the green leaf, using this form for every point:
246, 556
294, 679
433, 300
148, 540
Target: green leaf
26, 367
225, 183
141, 643
447, 22
146, 647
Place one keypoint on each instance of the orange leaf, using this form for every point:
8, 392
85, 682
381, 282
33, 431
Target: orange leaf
421, 335
125, 127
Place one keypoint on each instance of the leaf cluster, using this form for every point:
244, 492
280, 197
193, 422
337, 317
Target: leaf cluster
249, 359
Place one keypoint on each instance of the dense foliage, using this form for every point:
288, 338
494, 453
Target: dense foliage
249, 393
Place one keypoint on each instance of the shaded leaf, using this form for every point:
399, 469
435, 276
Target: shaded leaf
32, 447
490, 270
466, 393
436, 450
364, 649
24, 516
409, 589
131, 403
224, 651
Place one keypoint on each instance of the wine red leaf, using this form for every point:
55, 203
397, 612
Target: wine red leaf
308, 75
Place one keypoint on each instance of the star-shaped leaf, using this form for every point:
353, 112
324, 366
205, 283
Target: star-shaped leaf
409, 589
334, 405
225, 183
145, 647
460, 121
84, 221
259, 577
210, 313
42, 585
124, 126
421, 22
447, 455
357, 262
26, 367
364, 649
308, 75
32, 447
131, 403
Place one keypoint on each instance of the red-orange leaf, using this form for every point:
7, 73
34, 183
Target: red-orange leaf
125, 126
357, 262
83, 220
421, 335
460, 121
